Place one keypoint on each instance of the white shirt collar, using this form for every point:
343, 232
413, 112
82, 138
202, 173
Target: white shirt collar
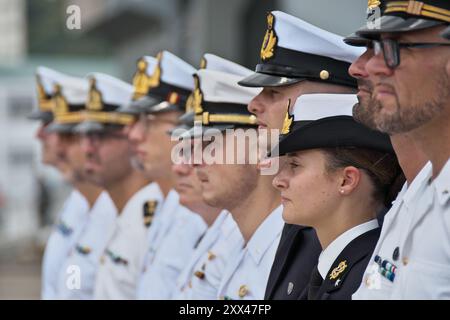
411, 193
266, 234
228, 224
78, 198
136, 202
330, 254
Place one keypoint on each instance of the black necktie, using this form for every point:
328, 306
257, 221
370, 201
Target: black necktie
315, 282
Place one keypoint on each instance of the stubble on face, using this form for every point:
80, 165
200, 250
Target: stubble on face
405, 118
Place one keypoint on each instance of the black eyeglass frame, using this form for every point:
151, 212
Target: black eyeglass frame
391, 49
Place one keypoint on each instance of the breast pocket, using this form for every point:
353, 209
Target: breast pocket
374, 285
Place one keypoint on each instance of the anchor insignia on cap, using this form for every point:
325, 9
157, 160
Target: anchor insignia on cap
270, 39
95, 97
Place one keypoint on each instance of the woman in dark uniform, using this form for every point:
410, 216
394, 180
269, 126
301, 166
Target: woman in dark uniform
335, 178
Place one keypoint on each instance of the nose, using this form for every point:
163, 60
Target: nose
358, 68
197, 165
281, 182
376, 66
87, 144
136, 132
40, 133
196, 156
256, 106
182, 169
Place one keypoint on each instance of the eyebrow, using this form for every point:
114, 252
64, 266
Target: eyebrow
294, 155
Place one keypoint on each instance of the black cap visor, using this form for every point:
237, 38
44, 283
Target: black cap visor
259, 79
44, 116
61, 127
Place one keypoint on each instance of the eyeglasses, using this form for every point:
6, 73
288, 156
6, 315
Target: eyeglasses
391, 49
148, 121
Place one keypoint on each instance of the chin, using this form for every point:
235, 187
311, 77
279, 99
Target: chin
184, 201
287, 215
291, 216
210, 199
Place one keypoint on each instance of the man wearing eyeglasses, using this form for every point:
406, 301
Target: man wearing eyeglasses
409, 69
161, 88
108, 153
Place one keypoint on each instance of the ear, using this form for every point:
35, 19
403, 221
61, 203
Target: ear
350, 178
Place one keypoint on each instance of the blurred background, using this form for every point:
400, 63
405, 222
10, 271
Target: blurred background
81, 36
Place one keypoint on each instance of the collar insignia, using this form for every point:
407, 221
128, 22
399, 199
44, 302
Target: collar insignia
287, 124
338, 270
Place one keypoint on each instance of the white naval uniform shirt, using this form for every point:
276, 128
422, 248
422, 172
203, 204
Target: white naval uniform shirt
210, 268
84, 258
424, 270
205, 244
246, 276
122, 258
396, 226
170, 248
329, 255
63, 237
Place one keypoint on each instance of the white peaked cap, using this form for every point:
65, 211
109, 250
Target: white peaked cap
214, 62
310, 107
114, 91
294, 50
299, 35
176, 72
73, 89
217, 86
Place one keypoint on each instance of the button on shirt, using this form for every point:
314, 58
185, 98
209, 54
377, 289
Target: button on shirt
211, 267
77, 277
121, 262
334, 249
62, 239
396, 226
170, 249
246, 276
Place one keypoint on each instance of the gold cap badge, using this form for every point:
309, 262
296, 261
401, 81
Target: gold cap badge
95, 102
60, 103
142, 82
270, 39
194, 101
